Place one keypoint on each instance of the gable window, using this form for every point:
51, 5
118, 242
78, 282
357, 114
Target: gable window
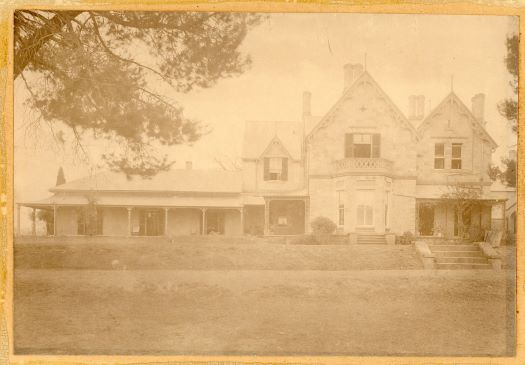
360, 145
456, 156
439, 156
275, 168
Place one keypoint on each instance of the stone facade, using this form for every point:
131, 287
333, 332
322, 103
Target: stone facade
368, 168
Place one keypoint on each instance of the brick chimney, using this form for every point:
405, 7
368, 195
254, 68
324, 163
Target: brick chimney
189, 165
478, 107
307, 104
352, 73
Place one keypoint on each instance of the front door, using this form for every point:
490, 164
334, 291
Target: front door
365, 208
426, 220
150, 223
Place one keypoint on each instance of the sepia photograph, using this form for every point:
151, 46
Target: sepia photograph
264, 184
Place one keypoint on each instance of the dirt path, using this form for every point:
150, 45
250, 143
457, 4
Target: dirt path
374, 312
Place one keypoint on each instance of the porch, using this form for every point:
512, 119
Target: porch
76, 220
438, 218
152, 216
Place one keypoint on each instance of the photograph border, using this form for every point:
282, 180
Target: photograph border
512, 8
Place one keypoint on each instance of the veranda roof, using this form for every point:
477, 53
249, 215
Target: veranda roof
182, 180
110, 200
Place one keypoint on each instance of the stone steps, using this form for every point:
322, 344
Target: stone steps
463, 266
459, 257
377, 239
449, 248
459, 260
458, 253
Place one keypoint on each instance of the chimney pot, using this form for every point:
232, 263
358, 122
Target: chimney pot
189, 165
352, 73
307, 103
478, 107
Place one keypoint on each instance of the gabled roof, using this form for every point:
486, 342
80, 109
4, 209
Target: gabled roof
365, 77
259, 134
444, 103
181, 180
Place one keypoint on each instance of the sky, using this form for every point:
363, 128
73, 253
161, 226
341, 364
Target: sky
292, 53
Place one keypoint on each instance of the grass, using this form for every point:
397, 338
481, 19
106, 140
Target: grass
375, 312
252, 297
210, 255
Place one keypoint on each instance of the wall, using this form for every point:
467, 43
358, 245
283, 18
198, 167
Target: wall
476, 153
364, 110
115, 222
66, 223
403, 217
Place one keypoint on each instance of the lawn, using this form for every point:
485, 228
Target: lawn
254, 298
374, 312
214, 255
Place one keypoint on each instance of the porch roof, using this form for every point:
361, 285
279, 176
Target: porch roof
182, 180
433, 192
235, 201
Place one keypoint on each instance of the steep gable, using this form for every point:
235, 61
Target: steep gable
444, 108
259, 135
365, 78
276, 148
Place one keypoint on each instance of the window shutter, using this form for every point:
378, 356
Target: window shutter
376, 145
284, 172
349, 145
266, 168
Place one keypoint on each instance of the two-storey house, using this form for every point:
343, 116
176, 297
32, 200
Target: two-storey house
364, 164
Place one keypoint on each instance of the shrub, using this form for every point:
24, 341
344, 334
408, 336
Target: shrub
406, 239
323, 225
322, 229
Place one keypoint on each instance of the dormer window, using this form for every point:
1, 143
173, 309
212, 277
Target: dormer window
361, 145
275, 168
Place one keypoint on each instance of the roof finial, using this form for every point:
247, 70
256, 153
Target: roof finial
451, 83
365, 61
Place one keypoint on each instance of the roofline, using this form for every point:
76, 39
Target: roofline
351, 88
453, 94
172, 192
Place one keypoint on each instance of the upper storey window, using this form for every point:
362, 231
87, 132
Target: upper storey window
275, 168
439, 156
456, 156
359, 145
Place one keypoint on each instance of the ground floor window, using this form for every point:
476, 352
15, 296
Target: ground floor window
340, 209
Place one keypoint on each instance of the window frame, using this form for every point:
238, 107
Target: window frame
440, 157
374, 146
456, 159
275, 176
